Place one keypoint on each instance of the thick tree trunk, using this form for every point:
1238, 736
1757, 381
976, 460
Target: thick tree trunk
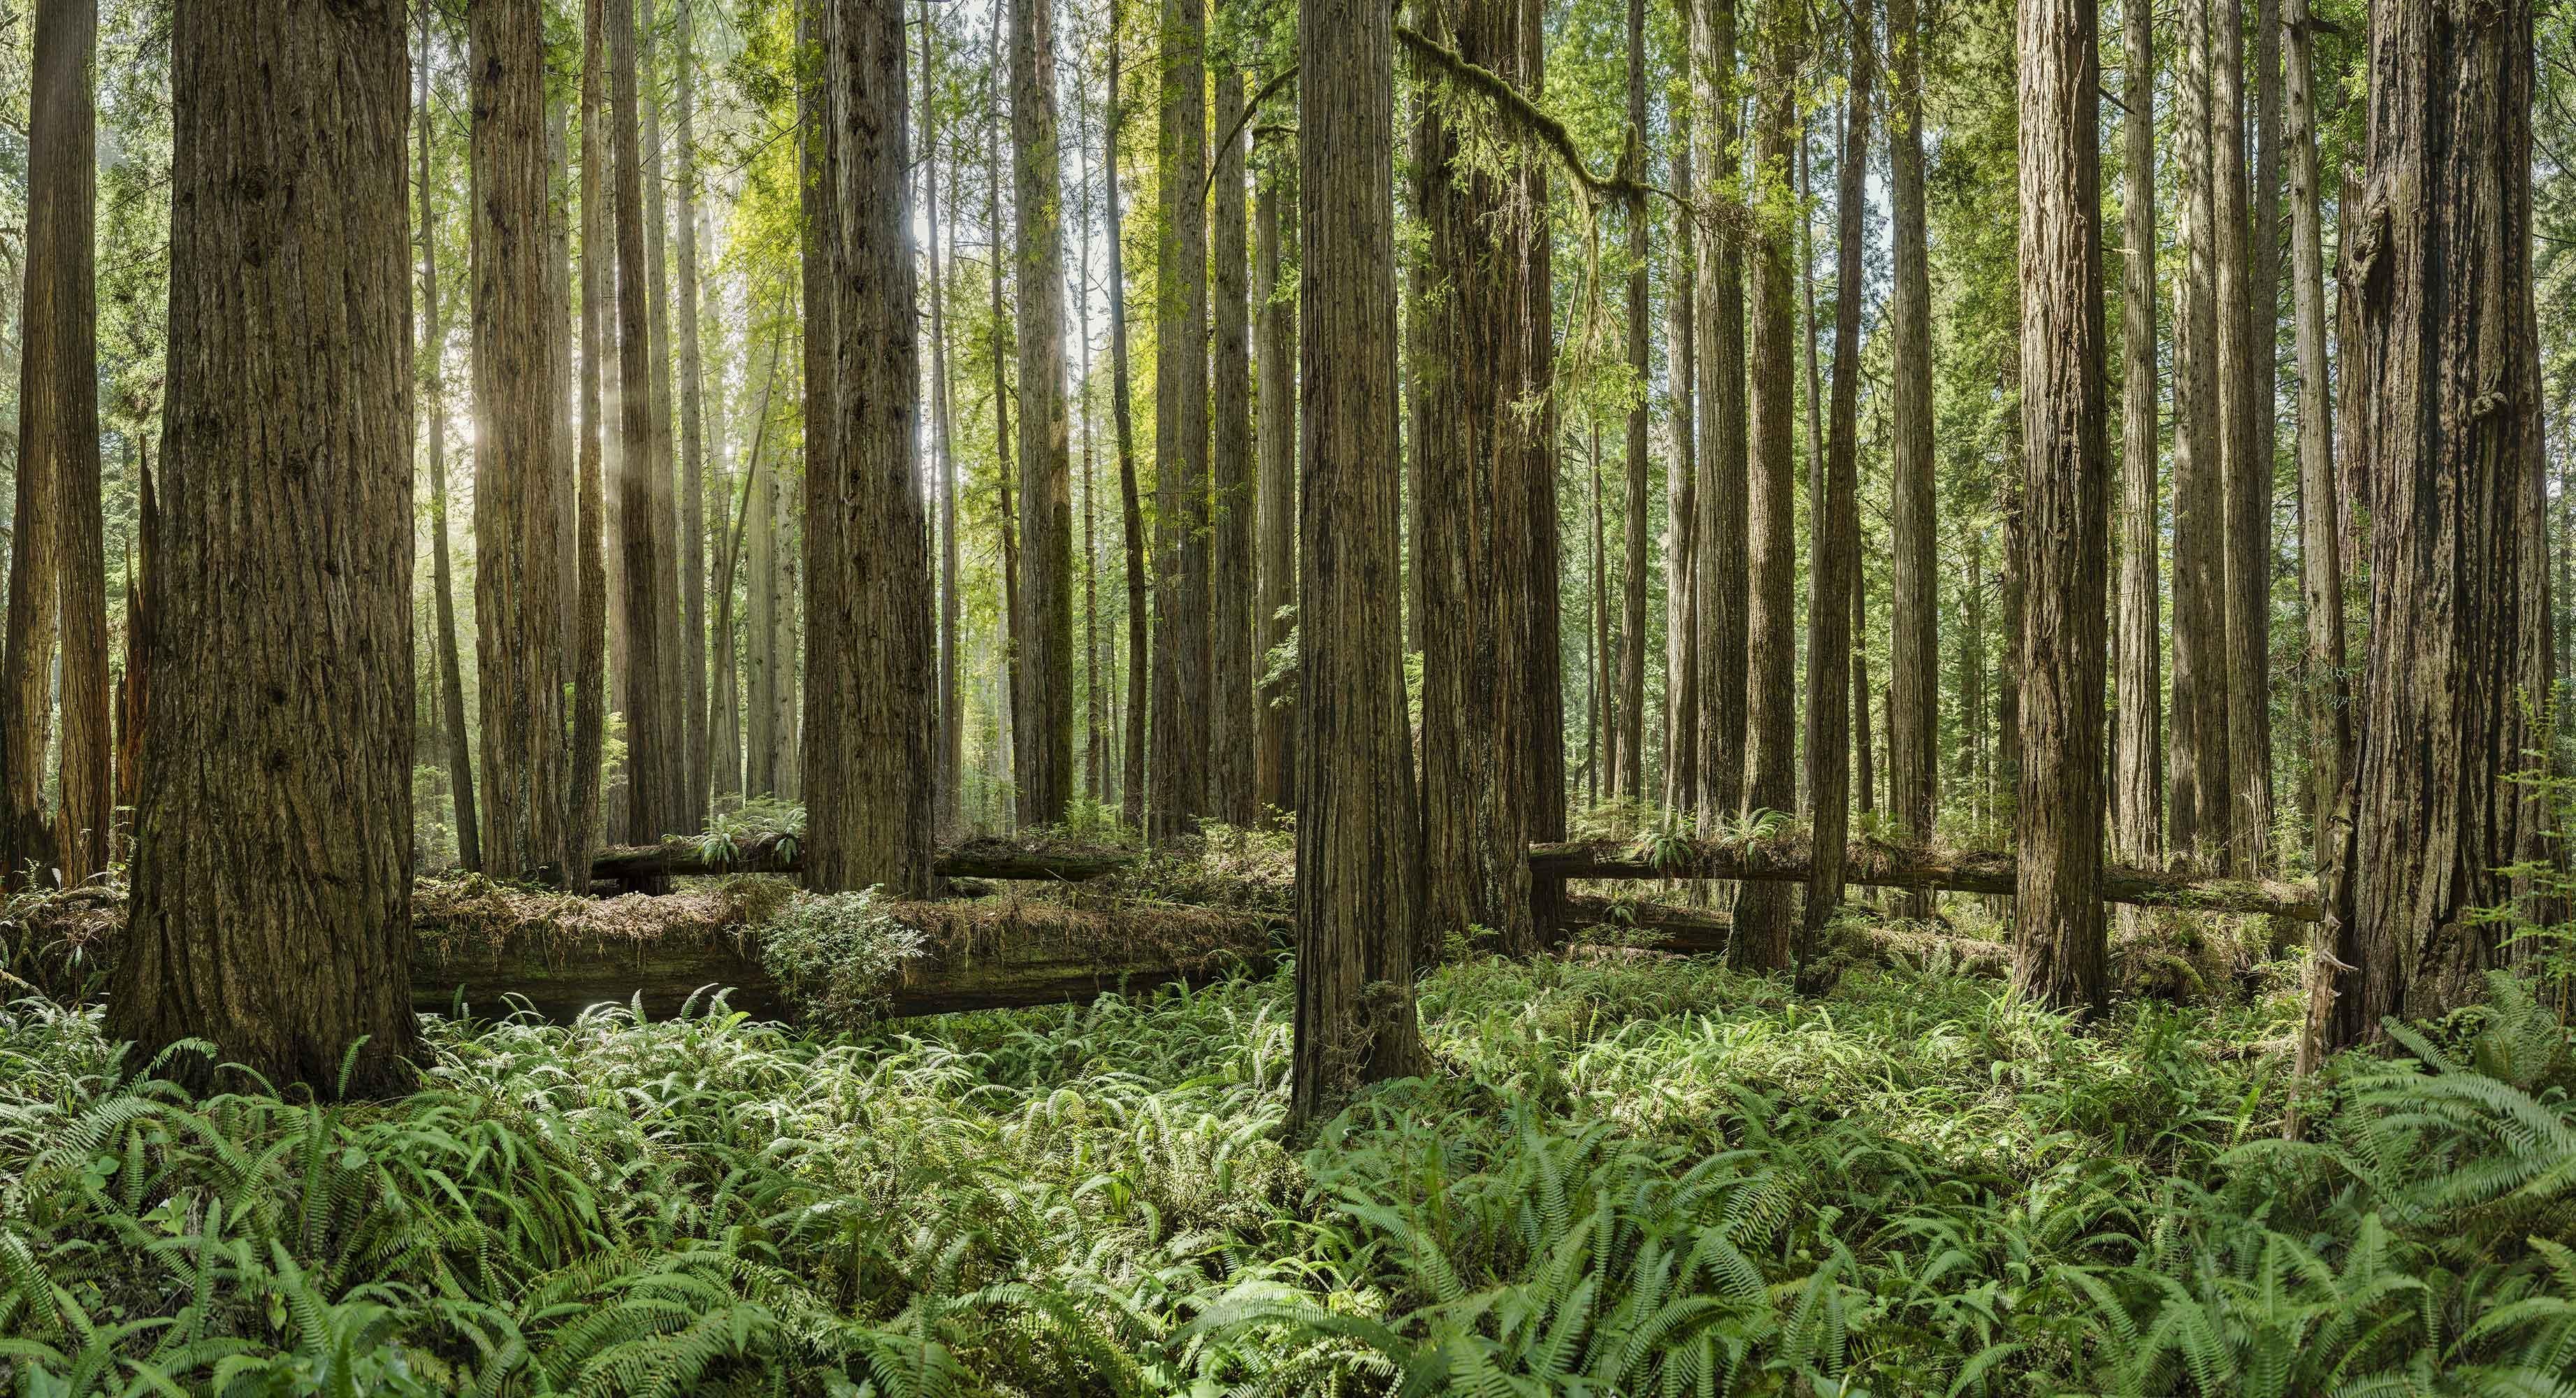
2244, 336
1720, 551
1131, 785
2437, 261
1681, 529
2060, 951
2201, 809
1043, 720
868, 608
1914, 660
1276, 326
1764, 921
287, 953
1356, 905
1630, 767
2320, 542
518, 548
35, 563
693, 434
687, 747
656, 732
2137, 779
1231, 582
590, 696
1182, 727
1834, 557
58, 436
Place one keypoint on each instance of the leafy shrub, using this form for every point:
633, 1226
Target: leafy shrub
831, 954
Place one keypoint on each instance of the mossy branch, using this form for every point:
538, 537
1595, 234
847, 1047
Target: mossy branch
1530, 117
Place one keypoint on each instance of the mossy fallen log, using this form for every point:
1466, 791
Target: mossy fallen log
1789, 859
781, 854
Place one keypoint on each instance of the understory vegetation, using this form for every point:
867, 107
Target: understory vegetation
1626, 1174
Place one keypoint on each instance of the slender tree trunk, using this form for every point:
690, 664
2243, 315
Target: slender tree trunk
1014, 613
1182, 725
867, 578
460, 762
1355, 905
1630, 768
589, 699
2320, 542
656, 733
687, 746
1834, 557
1605, 739
1975, 741
1276, 616
2445, 374
1723, 544
2201, 810
693, 438
1914, 661
2137, 783
1044, 715
58, 437
287, 954
764, 697
952, 713
1764, 913
518, 550
1095, 693
1232, 796
1681, 529
724, 531
1864, 741
1131, 783
2246, 477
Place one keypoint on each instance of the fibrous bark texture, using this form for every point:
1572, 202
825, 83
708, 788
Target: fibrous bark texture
2137, 748
1182, 726
1914, 675
1043, 723
656, 732
1719, 551
1276, 326
1232, 580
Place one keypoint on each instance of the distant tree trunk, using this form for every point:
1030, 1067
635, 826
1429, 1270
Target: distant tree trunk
1131, 783
1722, 547
1763, 914
1630, 767
868, 608
2244, 337
946, 804
1599, 653
1232, 796
1864, 741
1681, 530
590, 696
518, 551
656, 735
764, 698
1095, 687
1044, 716
1277, 329
1356, 905
58, 440
724, 531
287, 953
687, 746
1182, 727
2201, 810
1914, 659
1481, 286
451, 672
1974, 745
134, 687
1834, 556
1006, 519
2137, 782
2015, 588
2060, 953
693, 435
2320, 542
2447, 378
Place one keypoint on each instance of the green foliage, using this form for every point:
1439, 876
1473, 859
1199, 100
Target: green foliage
832, 952
1632, 1176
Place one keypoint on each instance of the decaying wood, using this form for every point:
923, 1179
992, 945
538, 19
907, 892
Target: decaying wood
774, 854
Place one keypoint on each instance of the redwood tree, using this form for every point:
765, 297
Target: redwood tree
1181, 727
1232, 572
1914, 675
1042, 719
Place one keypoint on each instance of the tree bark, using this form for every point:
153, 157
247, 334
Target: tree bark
286, 951
460, 743
590, 695
1681, 530
656, 733
2246, 477
1630, 767
693, 434
2060, 951
1914, 661
1182, 727
518, 547
867, 578
1043, 720
58, 440
947, 802
1006, 519
2320, 542
2200, 809
1095, 687
2137, 785
1131, 785
1275, 767
1232, 796
1721, 548
2445, 374
687, 746
1764, 915
1834, 558
1356, 905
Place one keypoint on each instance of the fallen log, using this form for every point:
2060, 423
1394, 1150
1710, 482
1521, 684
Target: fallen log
1788, 859
781, 854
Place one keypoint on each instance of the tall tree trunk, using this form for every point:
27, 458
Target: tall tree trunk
1630, 767
1044, 717
687, 747
764, 698
867, 560
2201, 810
1681, 529
1277, 328
1722, 547
58, 431
1474, 359
952, 713
1232, 796
2060, 952
2137, 782
1599, 653
2320, 542
1974, 739
1763, 914
451, 673
1006, 519
1914, 659
656, 734
590, 694
2243, 338
518, 548
2446, 373
693, 434
1834, 556
1864, 741
1095, 690
724, 532
1182, 726
1131, 784
1356, 906
287, 954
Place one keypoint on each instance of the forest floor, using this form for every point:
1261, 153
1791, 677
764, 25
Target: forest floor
1627, 1174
